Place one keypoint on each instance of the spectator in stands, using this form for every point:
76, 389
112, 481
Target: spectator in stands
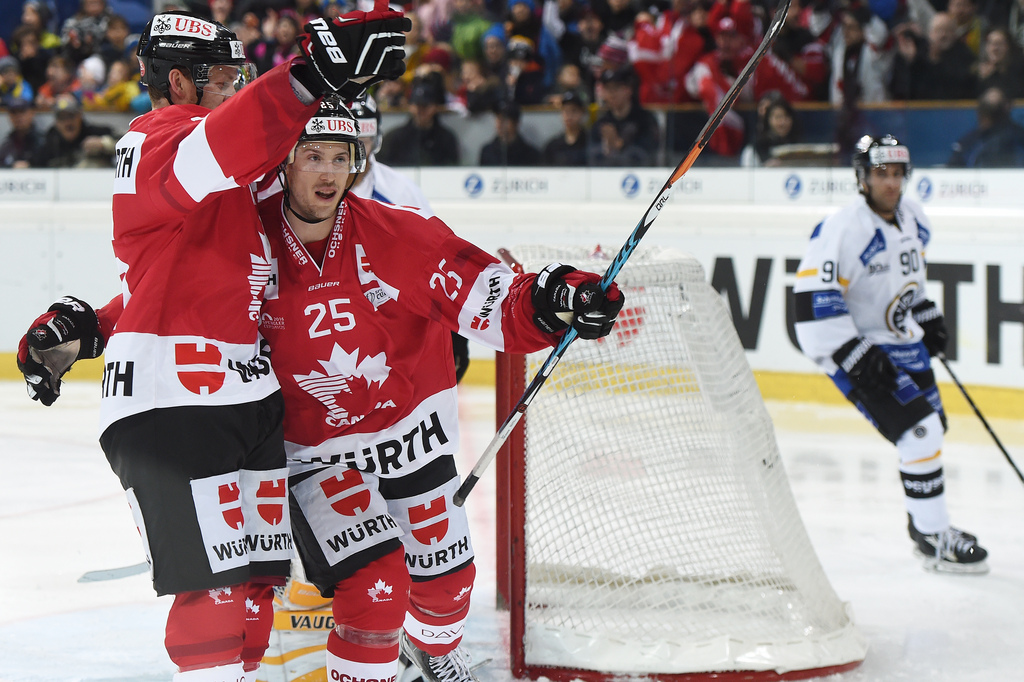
1015, 22
523, 20
32, 58
72, 142
651, 55
713, 75
524, 82
569, 147
114, 46
469, 23
997, 142
268, 53
805, 54
508, 148
861, 59
12, 85
60, 79
1001, 64
581, 47
570, 77
21, 146
776, 126
479, 90
423, 140
118, 93
223, 11
82, 33
626, 134
91, 75
616, 15
938, 68
967, 25
37, 15
495, 52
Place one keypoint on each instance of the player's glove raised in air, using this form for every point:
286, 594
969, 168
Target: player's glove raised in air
563, 295
68, 331
867, 365
928, 315
354, 51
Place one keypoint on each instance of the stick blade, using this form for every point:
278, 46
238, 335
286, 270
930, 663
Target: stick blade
113, 573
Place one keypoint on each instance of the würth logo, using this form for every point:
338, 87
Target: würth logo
198, 381
429, 521
270, 500
347, 494
479, 323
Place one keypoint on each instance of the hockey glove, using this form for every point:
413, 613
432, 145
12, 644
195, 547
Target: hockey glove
354, 51
928, 315
563, 295
867, 365
68, 331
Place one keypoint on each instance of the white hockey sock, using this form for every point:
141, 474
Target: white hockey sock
920, 449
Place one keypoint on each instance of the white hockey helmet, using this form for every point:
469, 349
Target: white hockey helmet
871, 152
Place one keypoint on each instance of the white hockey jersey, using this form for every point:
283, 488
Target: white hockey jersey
860, 276
384, 183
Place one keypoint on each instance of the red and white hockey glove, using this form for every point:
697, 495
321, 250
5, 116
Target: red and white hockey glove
563, 295
354, 51
68, 331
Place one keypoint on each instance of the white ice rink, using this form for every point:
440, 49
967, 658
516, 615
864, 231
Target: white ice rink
62, 513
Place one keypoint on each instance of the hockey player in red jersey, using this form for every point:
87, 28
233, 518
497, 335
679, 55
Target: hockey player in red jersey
359, 315
191, 412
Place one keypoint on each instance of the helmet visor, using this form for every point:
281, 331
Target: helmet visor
327, 157
224, 80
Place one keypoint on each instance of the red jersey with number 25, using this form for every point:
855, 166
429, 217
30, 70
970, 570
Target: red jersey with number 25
362, 345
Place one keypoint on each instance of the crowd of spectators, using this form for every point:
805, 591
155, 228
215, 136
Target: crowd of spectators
608, 60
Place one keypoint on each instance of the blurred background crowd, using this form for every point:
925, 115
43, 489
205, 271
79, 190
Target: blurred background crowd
605, 65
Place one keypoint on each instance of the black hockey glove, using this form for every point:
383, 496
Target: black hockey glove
867, 365
460, 349
68, 331
936, 337
562, 295
354, 51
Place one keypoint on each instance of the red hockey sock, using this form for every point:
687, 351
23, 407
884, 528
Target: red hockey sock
206, 628
259, 621
438, 609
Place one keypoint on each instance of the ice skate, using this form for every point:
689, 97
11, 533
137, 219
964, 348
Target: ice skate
951, 551
452, 667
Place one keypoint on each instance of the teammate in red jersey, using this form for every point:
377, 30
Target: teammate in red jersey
359, 326
191, 412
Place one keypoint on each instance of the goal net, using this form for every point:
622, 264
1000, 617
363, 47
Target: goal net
648, 525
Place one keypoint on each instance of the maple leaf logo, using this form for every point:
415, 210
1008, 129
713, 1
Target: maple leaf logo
380, 591
251, 606
220, 595
463, 593
338, 371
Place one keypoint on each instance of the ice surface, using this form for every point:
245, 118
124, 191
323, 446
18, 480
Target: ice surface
62, 513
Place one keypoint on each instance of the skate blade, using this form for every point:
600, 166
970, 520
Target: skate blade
935, 565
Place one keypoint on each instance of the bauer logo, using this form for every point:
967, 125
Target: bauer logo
793, 186
925, 188
474, 185
631, 185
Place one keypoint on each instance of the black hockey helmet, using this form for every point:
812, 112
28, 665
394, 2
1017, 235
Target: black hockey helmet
871, 152
179, 39
334, 123
365, 109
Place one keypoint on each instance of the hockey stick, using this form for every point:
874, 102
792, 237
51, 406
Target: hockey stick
627, 250
984, 422
113, 573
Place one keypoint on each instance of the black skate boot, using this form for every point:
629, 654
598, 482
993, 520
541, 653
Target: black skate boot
951, 551
452, 667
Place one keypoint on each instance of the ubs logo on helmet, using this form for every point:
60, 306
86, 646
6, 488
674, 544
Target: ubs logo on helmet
168, 24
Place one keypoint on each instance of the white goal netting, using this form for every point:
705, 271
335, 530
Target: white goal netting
661, 535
